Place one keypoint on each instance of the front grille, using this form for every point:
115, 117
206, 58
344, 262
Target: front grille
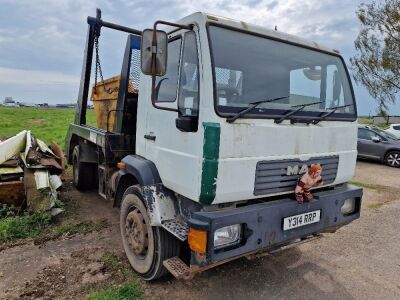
271, 176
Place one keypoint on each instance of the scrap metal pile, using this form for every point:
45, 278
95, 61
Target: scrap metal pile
30, 172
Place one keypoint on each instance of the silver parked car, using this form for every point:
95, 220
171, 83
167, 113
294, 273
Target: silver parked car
377, 144
394, 129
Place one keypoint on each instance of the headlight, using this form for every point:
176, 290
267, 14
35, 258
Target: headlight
227, 236
348, 206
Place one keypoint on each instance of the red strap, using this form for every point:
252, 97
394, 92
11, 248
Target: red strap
301, 184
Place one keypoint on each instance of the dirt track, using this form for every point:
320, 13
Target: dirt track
360, 261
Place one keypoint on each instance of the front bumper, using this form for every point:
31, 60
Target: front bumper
262, 223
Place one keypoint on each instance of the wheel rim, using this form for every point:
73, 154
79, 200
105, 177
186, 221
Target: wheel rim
393, 159
136, 233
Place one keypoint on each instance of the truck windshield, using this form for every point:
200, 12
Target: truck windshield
250, 68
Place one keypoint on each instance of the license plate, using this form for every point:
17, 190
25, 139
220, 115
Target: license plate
301, 220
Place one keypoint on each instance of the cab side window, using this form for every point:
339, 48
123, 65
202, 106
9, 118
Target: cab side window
363, 134
366, 134
188, 99
167, 85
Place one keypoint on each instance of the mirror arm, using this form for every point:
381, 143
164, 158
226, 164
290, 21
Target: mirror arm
154, 62
157, 89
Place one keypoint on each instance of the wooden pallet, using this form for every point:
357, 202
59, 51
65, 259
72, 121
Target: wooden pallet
12, 192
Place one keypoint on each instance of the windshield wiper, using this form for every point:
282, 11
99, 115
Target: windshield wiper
291, 113
324, 116
253, 105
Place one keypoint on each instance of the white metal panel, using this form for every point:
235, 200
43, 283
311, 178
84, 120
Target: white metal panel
264, 138
177, 155
246, 142
236, 175
144, 102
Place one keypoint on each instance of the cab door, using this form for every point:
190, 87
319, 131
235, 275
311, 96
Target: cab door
177, 153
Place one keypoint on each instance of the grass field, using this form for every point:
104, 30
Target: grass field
47, 124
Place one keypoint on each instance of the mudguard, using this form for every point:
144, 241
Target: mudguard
160, 202
144, 170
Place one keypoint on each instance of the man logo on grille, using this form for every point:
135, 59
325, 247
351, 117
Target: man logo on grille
296, 170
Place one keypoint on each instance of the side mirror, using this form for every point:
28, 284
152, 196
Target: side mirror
187, 123
375, 139
157, 54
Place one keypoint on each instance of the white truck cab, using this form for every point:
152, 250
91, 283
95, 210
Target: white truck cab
240, 64
229, 116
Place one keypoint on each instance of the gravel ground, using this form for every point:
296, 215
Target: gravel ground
359, 261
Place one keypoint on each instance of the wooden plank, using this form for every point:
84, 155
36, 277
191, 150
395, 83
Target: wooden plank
12, 193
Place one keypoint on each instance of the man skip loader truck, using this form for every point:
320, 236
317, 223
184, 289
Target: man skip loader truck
212, 124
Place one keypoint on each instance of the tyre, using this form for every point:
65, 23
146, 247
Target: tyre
84, 174
392, 159
145, 246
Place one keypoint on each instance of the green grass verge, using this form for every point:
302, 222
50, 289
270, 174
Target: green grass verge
129, 291
367, 185
40, 225
370, 121
112, 261
28, 226
47, 124
365, 121
78, 228
382, 125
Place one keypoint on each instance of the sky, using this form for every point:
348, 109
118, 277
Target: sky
42, 41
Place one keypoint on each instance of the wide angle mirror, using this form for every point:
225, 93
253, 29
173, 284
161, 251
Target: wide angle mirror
160, 50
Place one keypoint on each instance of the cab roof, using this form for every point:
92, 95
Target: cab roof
202, 17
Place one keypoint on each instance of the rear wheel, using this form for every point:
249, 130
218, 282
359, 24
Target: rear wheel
393, 159
84, 176
145, 246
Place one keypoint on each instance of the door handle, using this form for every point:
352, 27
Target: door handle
150, 137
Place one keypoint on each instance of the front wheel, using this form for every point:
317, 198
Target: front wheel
393, 159
145, 246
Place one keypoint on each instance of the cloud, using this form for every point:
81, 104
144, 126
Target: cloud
307, 18
47, 37
34, 77
50, 35
38, 86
